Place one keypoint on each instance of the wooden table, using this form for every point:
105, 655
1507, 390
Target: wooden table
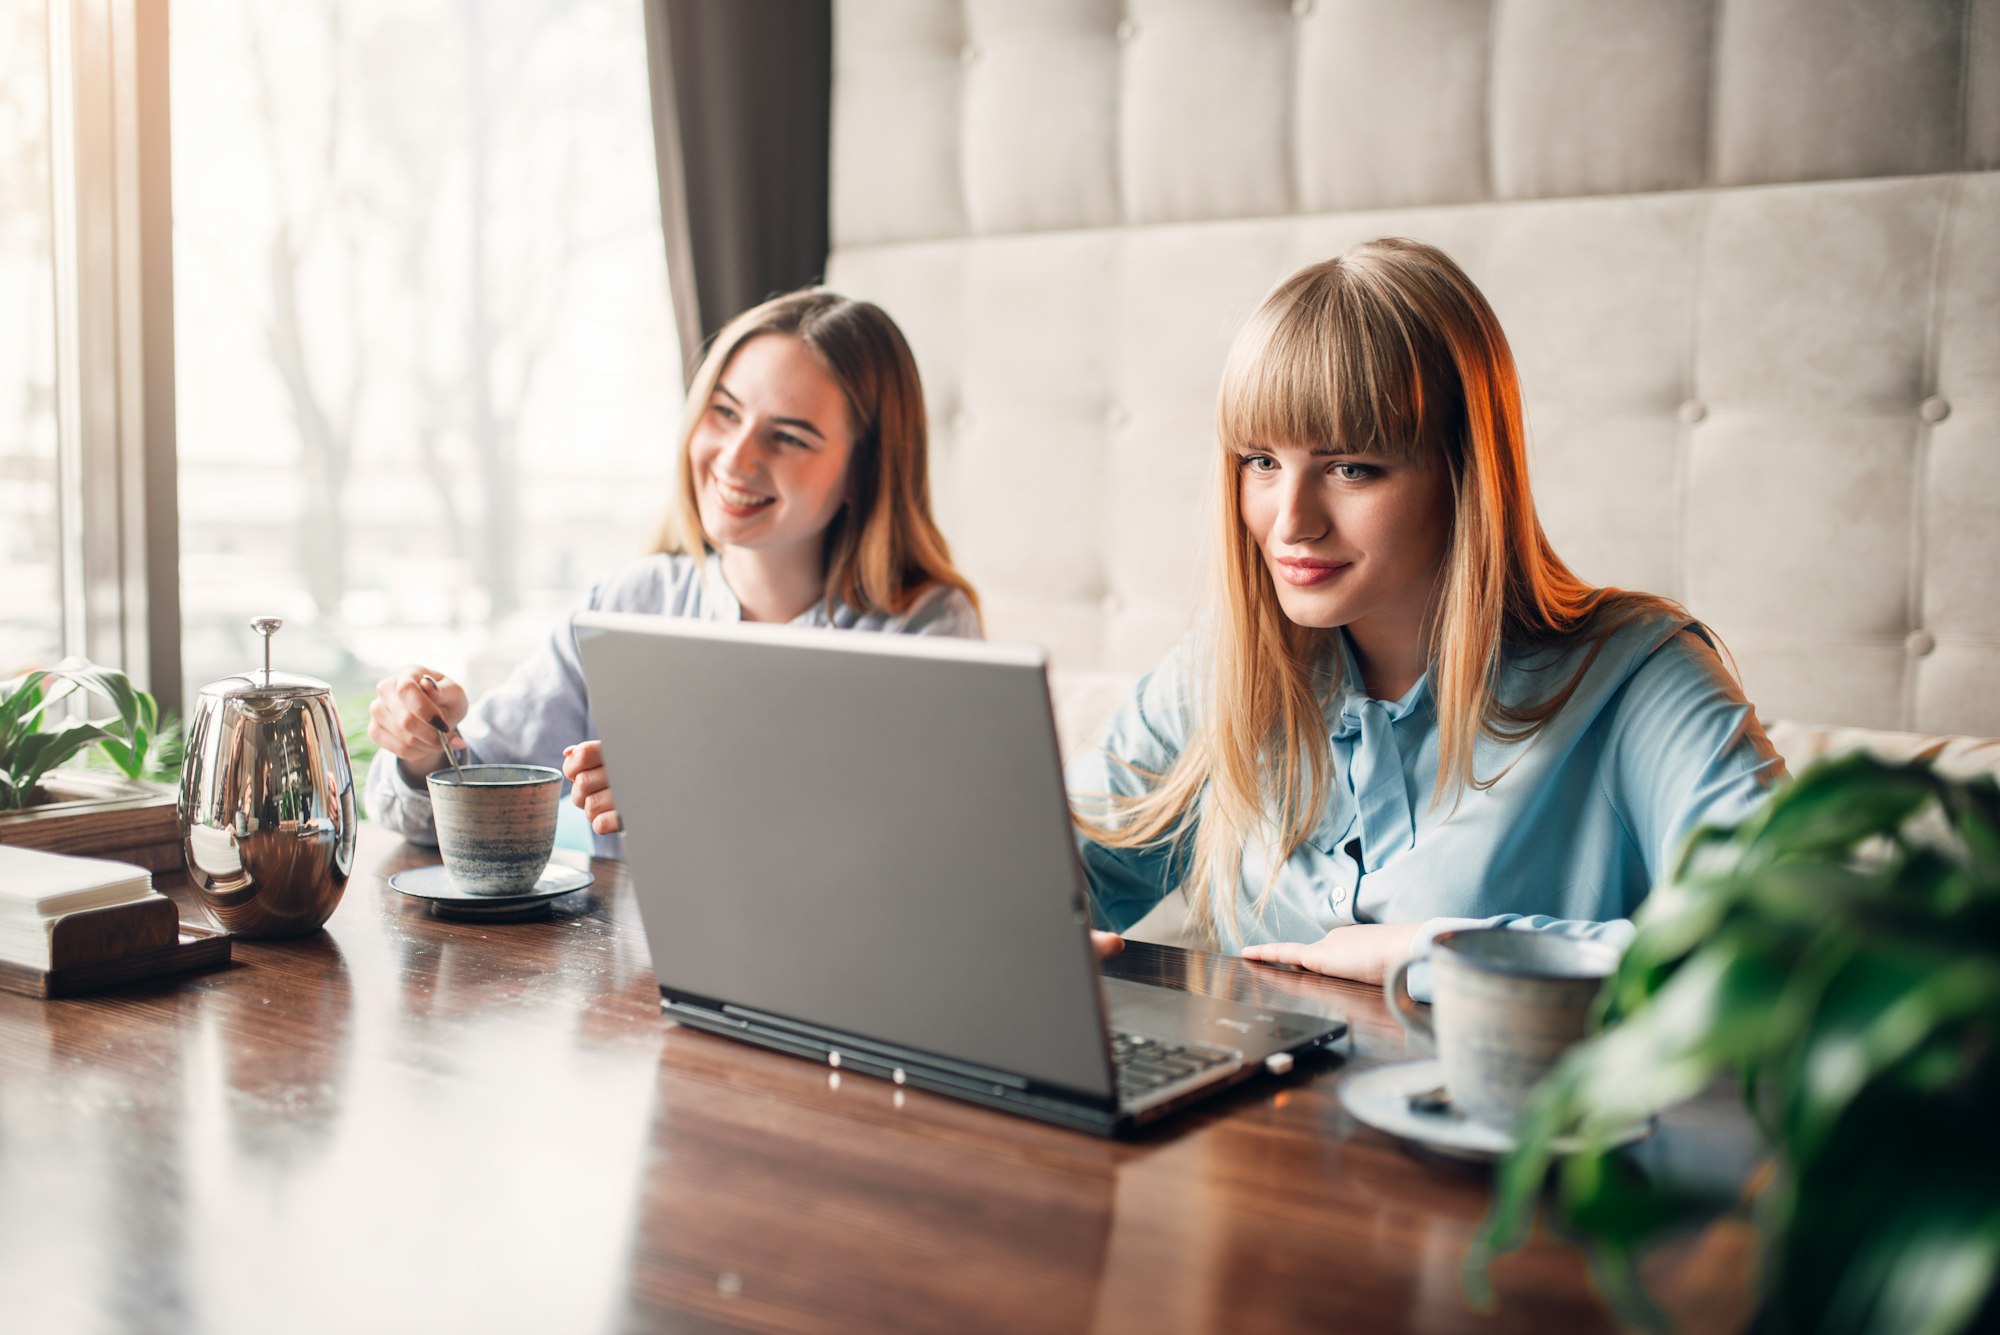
406, 1123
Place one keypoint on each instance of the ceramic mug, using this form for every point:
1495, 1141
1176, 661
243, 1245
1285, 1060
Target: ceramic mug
496, 825
1506, 1006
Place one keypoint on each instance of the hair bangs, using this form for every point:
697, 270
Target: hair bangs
1331, 362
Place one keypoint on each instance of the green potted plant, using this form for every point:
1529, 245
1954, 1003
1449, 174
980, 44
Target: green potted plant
1838, 954
48, 801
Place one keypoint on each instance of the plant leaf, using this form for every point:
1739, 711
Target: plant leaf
1896, 1232
134, 706
1836, 805
1716, 1010
1517, 1180
169, 749
20, 707
110, 683
1608, 1203
1713, 1011
1876, 1013
43, 751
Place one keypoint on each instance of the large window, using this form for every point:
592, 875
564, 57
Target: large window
426, 371
31, 622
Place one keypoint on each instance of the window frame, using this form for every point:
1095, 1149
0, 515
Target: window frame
113, 252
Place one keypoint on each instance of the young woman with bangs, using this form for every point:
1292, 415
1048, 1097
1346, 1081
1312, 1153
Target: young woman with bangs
1404, 713
803, 497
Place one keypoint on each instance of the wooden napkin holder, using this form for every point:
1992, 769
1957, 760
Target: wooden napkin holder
125, 943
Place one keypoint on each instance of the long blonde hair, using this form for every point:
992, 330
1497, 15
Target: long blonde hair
1388, 348
883, 549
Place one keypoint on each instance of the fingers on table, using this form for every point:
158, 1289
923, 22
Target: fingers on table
1281, 952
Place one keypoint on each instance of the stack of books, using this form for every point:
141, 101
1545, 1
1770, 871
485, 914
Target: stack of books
71, 924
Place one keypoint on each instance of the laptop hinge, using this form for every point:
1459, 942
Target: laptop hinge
890, 1052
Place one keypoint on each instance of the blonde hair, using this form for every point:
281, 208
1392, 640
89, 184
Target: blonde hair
883, 549
1388, 348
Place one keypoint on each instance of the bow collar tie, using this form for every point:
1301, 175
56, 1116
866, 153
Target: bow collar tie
1369, 760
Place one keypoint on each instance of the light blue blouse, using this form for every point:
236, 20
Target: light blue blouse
545, 706
1586, 816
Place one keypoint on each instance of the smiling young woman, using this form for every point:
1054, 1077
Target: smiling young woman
1403, 712
804, 497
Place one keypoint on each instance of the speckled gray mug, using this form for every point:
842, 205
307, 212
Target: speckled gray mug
1505, 1005
496, 825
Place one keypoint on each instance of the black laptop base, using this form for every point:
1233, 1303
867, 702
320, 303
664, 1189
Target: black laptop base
913, 1069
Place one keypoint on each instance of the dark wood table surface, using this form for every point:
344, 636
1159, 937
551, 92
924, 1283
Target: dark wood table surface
408, 1123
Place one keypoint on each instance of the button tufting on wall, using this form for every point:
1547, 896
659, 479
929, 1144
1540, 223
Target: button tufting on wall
1112, 604
968, 54
1117, 419
1920, 643
1301, 8
1692, 411
1127, 30
961, 422
1935, 408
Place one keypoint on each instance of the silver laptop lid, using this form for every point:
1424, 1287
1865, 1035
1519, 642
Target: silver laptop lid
861, 832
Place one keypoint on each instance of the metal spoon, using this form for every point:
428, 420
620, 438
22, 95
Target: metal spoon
444, 733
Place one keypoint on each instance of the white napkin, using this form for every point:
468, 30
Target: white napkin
37, 888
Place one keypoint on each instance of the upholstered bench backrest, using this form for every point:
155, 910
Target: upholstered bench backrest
1748, 254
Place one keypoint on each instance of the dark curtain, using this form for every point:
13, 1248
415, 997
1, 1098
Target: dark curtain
742, 97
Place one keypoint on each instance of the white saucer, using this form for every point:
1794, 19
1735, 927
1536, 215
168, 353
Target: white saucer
1380, 1097
435, 885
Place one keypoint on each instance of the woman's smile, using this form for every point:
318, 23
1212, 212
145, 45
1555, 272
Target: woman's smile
739, 501
1305, 571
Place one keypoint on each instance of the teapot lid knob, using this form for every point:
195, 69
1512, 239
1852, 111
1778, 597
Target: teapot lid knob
267, 627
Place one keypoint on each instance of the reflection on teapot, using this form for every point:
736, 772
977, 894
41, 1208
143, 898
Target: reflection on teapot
267, 801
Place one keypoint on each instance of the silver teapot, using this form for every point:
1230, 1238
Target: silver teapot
267, 801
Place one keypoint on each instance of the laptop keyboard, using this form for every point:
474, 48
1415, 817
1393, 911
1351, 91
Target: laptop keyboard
1145, 1064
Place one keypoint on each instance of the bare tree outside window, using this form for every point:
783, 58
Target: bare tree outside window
427, 375
30, 540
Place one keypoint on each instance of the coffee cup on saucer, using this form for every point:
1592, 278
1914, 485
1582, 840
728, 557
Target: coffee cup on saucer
1506, 1006
496, 825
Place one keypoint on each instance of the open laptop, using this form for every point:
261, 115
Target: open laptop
856, 848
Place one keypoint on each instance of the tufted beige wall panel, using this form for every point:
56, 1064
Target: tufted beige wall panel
1748, 255
976, 117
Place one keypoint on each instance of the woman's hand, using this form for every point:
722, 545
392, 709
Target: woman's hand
590, 787
399, 717
1365, 952
1106, 944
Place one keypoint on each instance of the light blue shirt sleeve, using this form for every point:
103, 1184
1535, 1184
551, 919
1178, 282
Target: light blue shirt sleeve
943, 610
1682, 748
1144, 738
